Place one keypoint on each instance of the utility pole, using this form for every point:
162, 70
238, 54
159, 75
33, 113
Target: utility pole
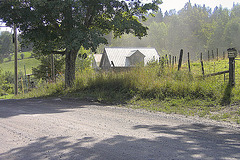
15, 61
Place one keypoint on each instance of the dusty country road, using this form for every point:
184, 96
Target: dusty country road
56, 129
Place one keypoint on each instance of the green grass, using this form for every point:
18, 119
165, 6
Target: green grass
28, 63
160, 89
26, 56
8, 96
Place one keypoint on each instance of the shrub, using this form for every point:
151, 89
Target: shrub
22, 56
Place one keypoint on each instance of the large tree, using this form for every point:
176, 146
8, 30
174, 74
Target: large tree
63, 26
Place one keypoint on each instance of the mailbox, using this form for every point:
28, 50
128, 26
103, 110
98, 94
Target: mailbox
232, 53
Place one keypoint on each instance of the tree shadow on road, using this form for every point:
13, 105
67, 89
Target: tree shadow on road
193, 141
14, 107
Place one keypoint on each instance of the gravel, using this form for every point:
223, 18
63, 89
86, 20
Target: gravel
33, 129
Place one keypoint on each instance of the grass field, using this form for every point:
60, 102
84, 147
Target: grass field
27, 62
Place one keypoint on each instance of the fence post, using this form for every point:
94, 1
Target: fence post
170, 60
202, 68
173, 60
208, 56
166, 57
232, 54
180, 59
212, 55
217, 54
201, 60
189, 66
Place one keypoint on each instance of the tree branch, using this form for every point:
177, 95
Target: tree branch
59, 52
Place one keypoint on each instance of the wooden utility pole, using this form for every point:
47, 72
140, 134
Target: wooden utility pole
15, 62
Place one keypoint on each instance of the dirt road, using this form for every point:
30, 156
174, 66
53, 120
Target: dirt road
66, 129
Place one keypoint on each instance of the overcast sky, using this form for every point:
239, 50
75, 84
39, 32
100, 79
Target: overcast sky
179, 4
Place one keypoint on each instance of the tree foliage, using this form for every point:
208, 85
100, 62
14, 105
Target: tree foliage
63, 26
194, 28
6, 45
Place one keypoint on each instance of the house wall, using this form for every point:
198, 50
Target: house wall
105, 64
128, 62
136, 58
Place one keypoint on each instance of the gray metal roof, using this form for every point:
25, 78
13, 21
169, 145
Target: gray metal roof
119, 55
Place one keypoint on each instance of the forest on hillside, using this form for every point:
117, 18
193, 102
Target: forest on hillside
194, 29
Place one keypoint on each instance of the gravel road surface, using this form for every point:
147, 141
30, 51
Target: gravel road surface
53, 129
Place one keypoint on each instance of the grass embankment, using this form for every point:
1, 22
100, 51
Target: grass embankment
158, 88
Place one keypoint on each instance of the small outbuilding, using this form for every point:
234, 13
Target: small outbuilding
127, 57
96, 61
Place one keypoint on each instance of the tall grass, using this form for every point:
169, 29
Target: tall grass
155, 82
153, 87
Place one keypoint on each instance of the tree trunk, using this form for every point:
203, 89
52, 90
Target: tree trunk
70, 68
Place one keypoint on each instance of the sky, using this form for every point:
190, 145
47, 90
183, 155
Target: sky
179, 4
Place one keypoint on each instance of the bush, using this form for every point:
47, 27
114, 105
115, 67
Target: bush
22, 56
6, 83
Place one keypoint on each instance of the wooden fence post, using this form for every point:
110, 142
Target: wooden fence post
166, 58
202, 68
170, 60
201, 60
173, 60
232, 71
217, 54
208, 56
232, 54
212, 55
180, 59
189, 66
